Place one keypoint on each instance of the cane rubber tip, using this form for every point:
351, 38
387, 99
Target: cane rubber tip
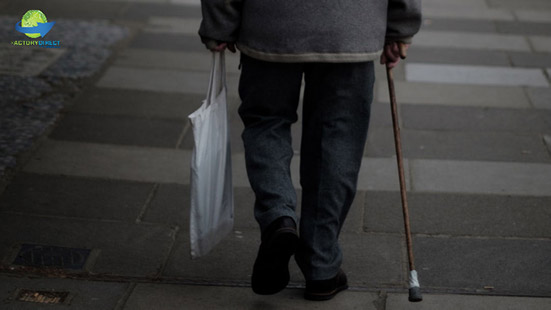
415, 294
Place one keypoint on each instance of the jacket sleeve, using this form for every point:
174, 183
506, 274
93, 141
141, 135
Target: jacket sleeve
403, 20
221, 20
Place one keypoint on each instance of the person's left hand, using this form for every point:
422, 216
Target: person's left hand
392, 53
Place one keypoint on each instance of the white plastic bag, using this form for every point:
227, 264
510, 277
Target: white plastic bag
211, 176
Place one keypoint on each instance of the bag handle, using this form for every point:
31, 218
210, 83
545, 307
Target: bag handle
217, 80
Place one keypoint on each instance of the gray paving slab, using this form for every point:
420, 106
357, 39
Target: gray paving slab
169, 205
186, 2
380, 115
467, 302
143, 104
477, 75
171, 202
159, 59
451, 24
118, 130
523, 59
456, 95
169, 42
479, 4
149, 296
468, 13
512, 266
171, 81
142, 11
176, 25
124, 248
85, 295
74, 197
524, 28
541, 43
380, 142
540, 97
460, 215
369, 260
461, 145
473, 119
457, 56
55, 9
467, 40
477, 177
547, 139
489, 146
527, 4
111, 162
155, 80
531, 15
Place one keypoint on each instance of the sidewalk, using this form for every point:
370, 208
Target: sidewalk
101, 190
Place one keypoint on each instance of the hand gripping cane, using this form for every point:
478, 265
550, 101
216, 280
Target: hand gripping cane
414, 289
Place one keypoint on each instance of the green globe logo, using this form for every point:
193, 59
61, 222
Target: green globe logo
31, 19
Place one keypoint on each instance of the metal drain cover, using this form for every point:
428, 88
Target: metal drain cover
51, 256
43, 297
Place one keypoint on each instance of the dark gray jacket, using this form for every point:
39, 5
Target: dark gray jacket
310, 30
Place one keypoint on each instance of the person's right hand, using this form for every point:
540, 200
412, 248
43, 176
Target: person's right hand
392, 53
218, 47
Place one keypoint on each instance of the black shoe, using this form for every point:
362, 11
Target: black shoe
271, 268
326, 289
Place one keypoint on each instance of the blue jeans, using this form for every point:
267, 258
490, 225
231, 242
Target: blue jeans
336, 109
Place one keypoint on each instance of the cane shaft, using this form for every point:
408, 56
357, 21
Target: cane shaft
399, 158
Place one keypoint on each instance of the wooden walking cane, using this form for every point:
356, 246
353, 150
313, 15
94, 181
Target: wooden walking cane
414, 289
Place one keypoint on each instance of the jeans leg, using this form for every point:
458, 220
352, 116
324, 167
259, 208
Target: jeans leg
336, 111
269, 93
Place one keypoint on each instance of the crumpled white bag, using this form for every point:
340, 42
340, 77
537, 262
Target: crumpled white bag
211, 217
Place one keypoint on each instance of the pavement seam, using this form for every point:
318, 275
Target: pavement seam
174, 236
380, 303
182, 135
147, 202
127, 294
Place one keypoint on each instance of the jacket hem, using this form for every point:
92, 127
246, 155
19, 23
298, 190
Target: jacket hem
309, 57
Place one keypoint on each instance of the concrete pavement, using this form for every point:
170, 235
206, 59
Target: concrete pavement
102, 194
